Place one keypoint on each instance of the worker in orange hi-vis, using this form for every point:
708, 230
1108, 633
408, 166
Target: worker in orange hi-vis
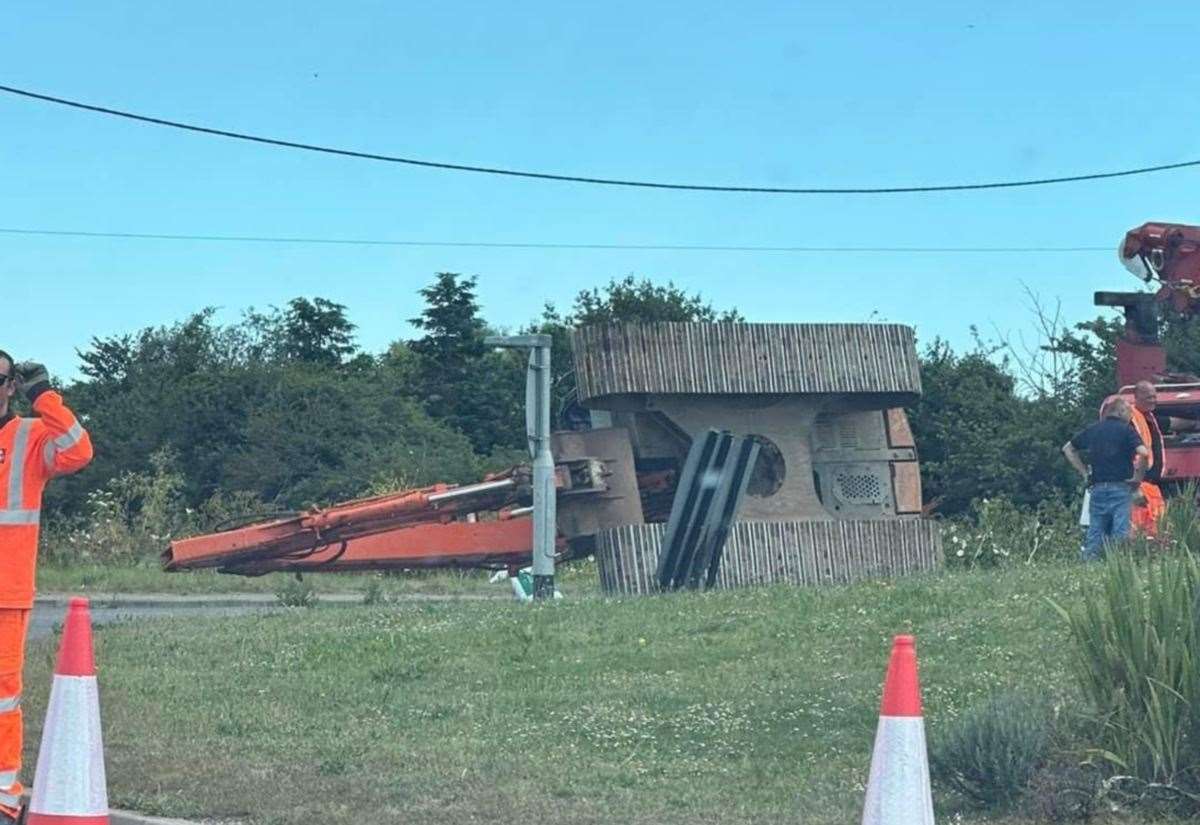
32, 451
1148, 504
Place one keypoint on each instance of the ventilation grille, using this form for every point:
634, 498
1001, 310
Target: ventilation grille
859, 488
843, 432
848, 433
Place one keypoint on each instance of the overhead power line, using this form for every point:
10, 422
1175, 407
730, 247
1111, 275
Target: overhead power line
643, 184
261, 239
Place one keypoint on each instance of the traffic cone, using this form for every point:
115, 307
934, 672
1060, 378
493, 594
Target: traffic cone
68, 785
898, 791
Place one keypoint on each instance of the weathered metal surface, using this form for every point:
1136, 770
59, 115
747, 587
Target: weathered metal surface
898, 430
710, 489
619, 503
906, 486
796, 552
741, 359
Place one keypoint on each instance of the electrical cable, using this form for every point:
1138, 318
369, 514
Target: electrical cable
517, 173
579, 246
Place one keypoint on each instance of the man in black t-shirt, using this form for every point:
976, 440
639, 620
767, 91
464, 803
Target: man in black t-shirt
1111, 444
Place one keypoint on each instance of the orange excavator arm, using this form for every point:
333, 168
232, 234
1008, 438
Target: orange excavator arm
474, 525
392, 528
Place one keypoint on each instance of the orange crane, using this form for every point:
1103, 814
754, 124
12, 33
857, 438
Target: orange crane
1167, 256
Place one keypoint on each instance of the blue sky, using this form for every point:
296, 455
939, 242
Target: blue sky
775, 94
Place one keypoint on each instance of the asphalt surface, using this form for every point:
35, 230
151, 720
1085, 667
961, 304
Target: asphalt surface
47, 616
51, 608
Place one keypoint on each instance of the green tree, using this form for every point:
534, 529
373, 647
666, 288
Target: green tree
625, 300
317, 332
643, 301
978, 437
310, 332
312, 437
454, 332
163, 386
267, 406
477, 392
1090, 372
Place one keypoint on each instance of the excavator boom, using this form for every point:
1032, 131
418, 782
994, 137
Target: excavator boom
474, 525
347, 534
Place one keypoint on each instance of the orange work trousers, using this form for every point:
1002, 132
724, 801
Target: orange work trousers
13, 626
1144, 517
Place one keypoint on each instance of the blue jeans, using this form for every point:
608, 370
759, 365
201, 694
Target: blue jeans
1108, 516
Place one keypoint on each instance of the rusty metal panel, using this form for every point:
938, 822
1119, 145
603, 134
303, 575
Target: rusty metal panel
619, 503
898, 431
906, 486
740, 359
796, 552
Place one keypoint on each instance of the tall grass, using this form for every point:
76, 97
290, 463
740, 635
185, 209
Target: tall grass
1137, 655
131, 519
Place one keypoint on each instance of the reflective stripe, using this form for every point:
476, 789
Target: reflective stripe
8, 799
8, 779
6, 704
70, 438
64, 442
20, 516
16, 470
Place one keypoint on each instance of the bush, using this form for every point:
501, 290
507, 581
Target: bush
999, 532
1137, 659
990, 752
132, 518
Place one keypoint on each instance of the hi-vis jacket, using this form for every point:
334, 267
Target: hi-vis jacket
1142, 423
1145, 516
32, 451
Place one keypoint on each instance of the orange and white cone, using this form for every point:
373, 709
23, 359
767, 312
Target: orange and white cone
898, 791
69, 785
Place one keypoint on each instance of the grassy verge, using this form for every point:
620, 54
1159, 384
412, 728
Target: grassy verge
758, 706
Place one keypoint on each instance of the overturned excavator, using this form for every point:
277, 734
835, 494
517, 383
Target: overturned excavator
834, 494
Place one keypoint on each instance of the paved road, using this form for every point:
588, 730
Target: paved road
47, 615
50, 609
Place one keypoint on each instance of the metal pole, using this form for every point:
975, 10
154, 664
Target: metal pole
544, 499
471, 490
537, 424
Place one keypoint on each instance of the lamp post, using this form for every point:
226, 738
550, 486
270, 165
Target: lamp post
537, 428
